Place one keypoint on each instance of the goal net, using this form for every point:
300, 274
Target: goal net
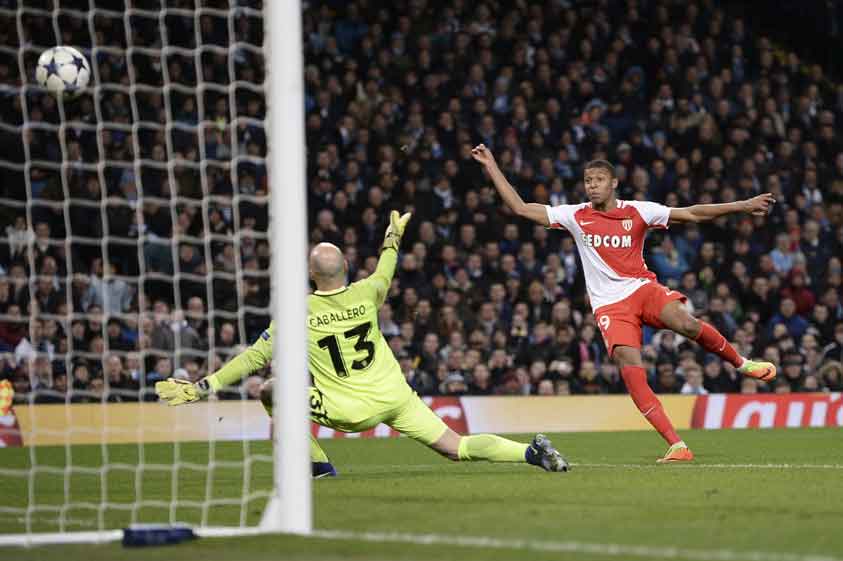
135, 223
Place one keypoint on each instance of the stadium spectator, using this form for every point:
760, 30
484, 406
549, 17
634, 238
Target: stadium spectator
610, 379
117, 340
112, 294
421, 382
668, 262
793, 371
783, 256
831, 376
749, 386
693, 381
789, 318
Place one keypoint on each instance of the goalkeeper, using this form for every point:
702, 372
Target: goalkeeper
358, 384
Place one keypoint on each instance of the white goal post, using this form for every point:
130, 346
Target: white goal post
288, 206
86, 519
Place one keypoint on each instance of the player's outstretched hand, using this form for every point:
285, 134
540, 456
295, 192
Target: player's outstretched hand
398, 223
760, 205
178, 392
395, 230
482, 155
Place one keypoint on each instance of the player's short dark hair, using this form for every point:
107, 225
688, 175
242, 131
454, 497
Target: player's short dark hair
601, 164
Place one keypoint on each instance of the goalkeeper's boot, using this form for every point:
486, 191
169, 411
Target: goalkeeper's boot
322, 469
764, 371
541, 453
679, 452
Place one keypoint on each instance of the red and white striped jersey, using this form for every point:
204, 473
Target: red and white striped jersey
611, 245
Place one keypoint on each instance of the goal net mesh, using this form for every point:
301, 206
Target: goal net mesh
134, 222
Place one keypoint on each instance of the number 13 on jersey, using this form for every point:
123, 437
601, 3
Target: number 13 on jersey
358, 336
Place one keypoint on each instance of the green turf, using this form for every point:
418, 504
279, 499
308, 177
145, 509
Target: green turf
617, 495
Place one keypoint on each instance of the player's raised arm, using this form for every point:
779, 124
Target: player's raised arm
758, 206
179, 392
381, 279
533, 211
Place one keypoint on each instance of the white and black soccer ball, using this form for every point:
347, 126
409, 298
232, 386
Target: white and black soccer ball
64, 71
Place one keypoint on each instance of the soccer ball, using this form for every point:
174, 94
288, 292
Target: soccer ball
64, 71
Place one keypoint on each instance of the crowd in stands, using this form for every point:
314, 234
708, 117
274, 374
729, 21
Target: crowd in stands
688, 102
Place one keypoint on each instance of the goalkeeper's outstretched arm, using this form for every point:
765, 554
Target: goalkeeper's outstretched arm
381, 279
252, 359
178, 392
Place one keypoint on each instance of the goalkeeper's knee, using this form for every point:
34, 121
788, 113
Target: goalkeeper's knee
266, 396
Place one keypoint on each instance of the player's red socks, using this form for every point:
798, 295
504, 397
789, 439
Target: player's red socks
635, 378
714, 342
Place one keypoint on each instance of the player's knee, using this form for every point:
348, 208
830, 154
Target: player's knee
453, 456
620, 359
689, 326
448, 445
266, 394
626, 356
677, 318
448, 453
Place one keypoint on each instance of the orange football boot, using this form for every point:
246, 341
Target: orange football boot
764, 371
677, 453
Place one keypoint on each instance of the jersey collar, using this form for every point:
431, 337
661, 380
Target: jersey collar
610, 213
329, 292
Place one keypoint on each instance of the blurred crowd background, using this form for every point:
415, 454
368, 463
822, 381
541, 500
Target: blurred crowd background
135, 216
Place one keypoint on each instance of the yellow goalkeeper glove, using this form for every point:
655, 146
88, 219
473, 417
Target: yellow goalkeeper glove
397, 224
179, 392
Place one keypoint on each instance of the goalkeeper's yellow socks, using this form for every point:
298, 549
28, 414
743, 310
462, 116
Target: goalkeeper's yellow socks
319, 462
491, 448
320, 465
316, 452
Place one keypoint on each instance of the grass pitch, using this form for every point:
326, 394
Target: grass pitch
774, 495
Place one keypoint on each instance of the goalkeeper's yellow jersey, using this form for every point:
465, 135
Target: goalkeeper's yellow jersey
348, 356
